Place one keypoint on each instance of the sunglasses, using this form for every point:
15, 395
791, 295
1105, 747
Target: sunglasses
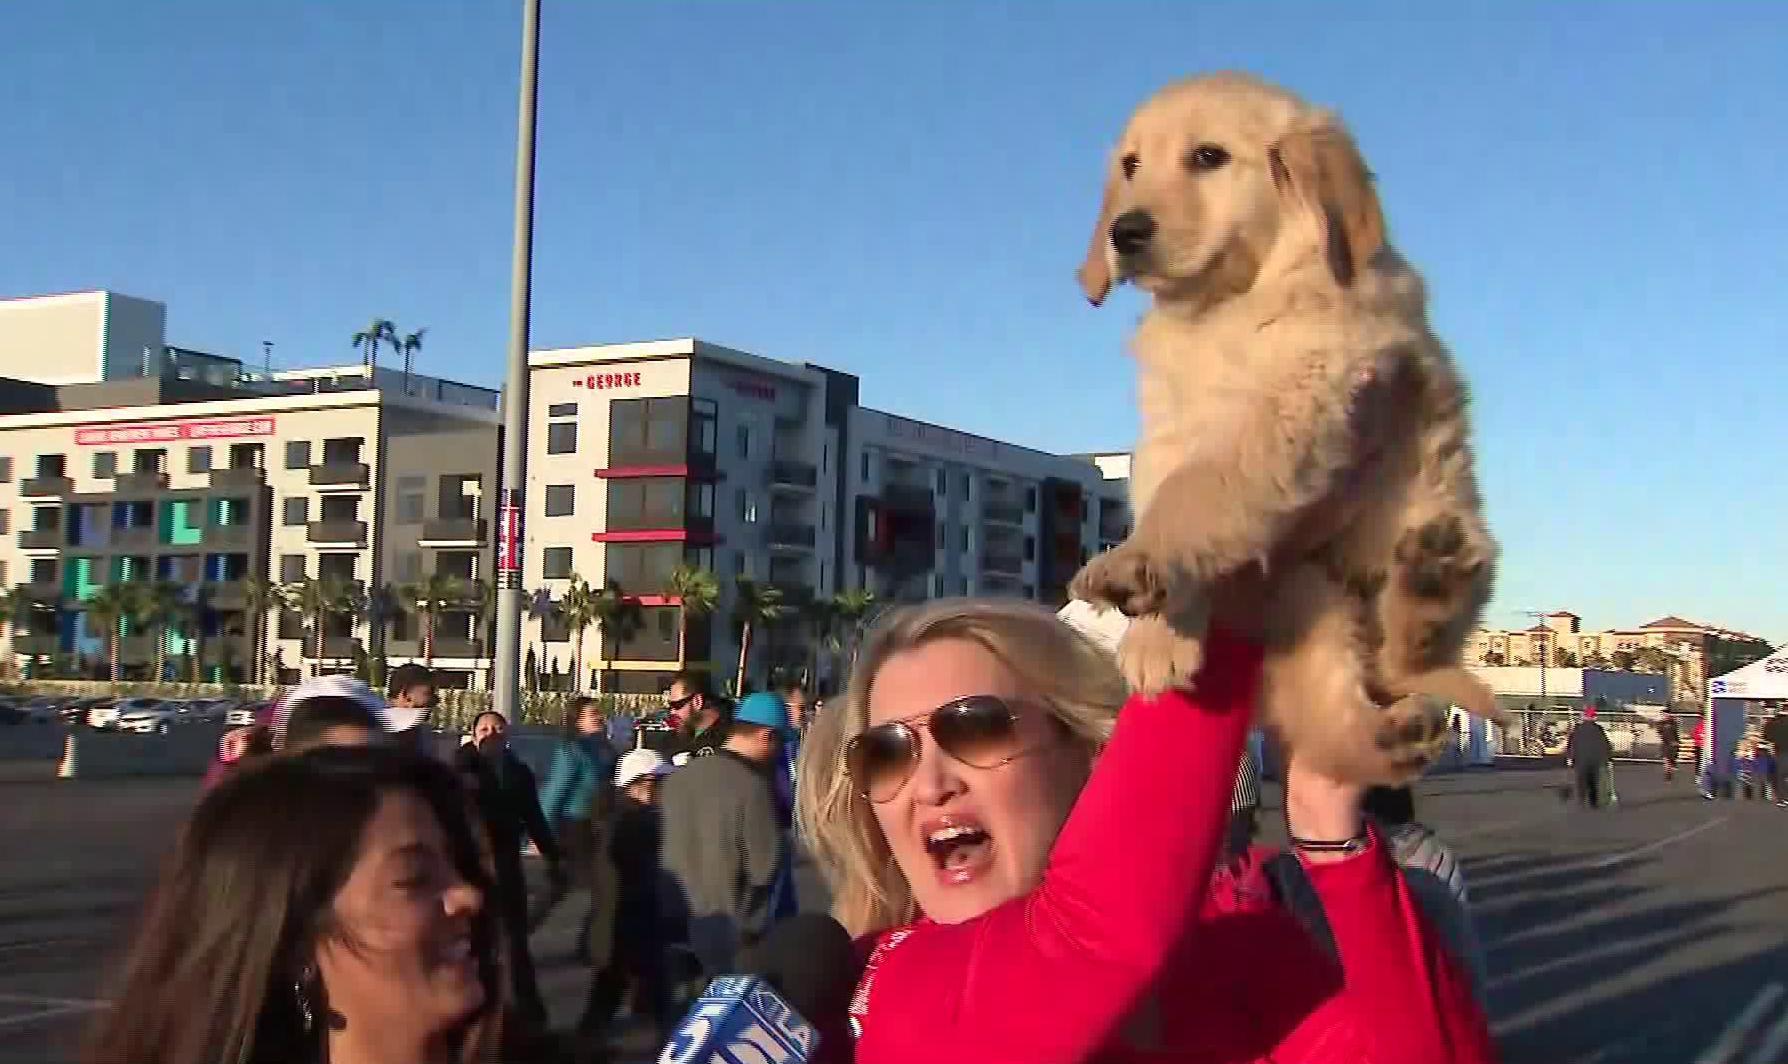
980, 731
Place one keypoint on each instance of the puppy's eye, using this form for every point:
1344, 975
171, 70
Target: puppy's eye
1130, 162
1206, 157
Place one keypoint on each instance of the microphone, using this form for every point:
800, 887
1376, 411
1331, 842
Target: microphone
805, 973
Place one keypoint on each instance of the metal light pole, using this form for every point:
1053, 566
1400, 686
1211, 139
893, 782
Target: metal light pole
506, 684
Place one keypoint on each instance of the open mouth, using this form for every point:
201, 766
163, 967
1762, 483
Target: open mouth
960, 848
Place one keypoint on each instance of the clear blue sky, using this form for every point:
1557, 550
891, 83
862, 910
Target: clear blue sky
901, 190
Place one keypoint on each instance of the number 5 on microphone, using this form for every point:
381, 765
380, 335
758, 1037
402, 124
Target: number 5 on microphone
693, 1034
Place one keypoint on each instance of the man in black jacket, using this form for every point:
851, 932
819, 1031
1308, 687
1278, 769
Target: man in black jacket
1589, 752
508, 801
706, 719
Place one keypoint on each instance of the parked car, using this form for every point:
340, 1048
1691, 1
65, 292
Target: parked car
42, 710
147, 716
244, 715
106, 717
206, 710
78, 711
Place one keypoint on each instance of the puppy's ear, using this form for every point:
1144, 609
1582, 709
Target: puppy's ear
1095, 270
1316, 162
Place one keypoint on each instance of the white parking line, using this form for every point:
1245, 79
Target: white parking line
41, 1014
1657, 845
1739, 1030
1499, 825
53, 1002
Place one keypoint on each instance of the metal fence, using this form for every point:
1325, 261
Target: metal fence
1634, 736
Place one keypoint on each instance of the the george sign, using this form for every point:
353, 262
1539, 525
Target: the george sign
943, 439
753, 389
174, 431
605, 381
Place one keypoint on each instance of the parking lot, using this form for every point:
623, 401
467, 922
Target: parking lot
1633, 936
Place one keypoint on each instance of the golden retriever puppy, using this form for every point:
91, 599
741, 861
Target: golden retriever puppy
1250, 219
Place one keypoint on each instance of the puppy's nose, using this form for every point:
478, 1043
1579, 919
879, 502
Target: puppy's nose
1131, 230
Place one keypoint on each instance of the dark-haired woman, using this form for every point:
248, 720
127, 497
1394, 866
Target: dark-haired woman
329, 906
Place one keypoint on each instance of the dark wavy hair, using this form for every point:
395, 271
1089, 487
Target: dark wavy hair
247, 895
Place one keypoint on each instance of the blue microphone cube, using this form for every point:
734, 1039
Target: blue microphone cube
740, 1019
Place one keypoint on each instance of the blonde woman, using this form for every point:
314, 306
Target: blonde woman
1029, 859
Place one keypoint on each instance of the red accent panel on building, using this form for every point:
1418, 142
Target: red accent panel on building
657, 600
653, 535
618, 472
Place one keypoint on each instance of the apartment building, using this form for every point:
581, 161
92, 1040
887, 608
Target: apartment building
189, 470
644, 456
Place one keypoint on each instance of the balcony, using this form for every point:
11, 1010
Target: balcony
137, 650
226, 594
43, 591
455, 532
457, 647
907, 496
352, 533
1007, 564
341, 476
36, 645
134, 536
227, 650
225, 535
789, 537
1003, 513
335, 647
46, 487
798, 476
238, 477
142, 482
40, 539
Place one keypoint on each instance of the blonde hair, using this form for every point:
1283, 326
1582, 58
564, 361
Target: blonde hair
1057, 665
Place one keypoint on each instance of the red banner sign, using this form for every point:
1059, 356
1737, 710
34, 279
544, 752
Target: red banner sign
509, 539
174, 431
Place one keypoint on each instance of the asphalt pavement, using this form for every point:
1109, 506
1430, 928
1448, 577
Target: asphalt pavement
1653, 932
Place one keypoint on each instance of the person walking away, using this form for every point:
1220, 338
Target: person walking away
638, 956
723, 843
575, 801
1775, 733
794, 696
1670, 739
764, 707
506, 797
1589, 752
704, 720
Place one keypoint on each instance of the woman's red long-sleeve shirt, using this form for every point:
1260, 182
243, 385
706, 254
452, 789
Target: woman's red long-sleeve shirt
1131, 951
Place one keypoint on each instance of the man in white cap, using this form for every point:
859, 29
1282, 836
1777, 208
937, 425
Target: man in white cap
637, 952
335, 711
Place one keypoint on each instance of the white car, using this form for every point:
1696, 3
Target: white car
146, 716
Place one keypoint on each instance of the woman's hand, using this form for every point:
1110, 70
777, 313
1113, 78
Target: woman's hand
1320, 808
234, 744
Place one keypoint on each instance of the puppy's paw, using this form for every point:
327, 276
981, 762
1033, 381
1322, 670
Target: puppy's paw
1411, 733
1442, 559
1123, 578
1153, 657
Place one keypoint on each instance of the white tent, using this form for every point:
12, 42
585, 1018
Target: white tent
1726, 698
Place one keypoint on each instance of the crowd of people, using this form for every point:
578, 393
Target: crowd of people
1011, 837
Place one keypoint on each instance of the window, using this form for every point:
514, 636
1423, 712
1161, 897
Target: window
1030, 549
150, 460
701, 501
747, 506
409, 509
739, 563
1030, 500
5, 522
966, 542
409, 566
43, 570
965, 486
704, 427
825, 457
296, 511
744, 441
105, 465
562, 410
561, 437
198, 459
643, 568
561, 500
291, 568
5, 469
943, 482
962, 585
297, 454
646, 502
866, 466
52, 465
942, 531
555, 563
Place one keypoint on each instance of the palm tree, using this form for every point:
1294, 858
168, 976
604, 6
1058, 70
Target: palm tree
410, 345
578, 606
163, 603
852, 607
317, 599
611, 611
1563, 659
111, 608
378, 331
262, 597
821, 619
698, 591
755, 604
190, 615
428, 599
